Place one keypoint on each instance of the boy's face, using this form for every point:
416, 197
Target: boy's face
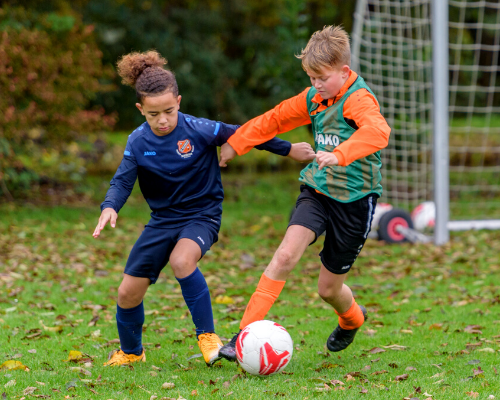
161, 112
329, 80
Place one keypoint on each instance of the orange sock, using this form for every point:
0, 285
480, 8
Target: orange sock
352, 318
262, 300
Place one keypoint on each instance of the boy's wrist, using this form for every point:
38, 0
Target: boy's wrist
340, 158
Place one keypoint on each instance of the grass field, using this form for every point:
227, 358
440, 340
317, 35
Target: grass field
434, 312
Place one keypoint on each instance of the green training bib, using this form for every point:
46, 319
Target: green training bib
344, 184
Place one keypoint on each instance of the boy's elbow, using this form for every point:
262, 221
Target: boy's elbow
385, 136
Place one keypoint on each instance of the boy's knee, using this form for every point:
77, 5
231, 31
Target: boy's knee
181, 263
128, 297
328, 293
286, 258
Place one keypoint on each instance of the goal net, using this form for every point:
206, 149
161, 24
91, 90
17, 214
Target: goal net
392, 51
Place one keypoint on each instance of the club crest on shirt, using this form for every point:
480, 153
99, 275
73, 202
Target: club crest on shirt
184, 148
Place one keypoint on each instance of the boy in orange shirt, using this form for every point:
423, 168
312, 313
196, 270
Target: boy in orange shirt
340, 187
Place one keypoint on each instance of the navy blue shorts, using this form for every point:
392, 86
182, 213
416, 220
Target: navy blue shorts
152, 250
346, 224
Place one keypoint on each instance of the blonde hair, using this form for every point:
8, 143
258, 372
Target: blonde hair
146, 73
326, 48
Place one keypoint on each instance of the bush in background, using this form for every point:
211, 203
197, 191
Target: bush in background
50, 70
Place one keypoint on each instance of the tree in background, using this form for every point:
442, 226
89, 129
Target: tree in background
50, 70
233, 59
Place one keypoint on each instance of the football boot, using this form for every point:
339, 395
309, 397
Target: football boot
228, 351
341, 338
118, 357
210, 344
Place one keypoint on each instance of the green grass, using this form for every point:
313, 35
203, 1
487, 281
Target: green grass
54, 274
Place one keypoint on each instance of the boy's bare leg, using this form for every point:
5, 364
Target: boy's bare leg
184, 258
295, 242
132, 291
332, 290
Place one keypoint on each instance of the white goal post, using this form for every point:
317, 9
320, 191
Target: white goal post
433, 65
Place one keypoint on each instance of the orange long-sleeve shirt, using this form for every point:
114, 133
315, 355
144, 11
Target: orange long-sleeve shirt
361, 107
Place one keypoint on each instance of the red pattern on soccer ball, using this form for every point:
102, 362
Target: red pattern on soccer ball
239, 343
271, 360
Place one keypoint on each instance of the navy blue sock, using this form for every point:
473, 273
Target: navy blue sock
197, 297
130, 321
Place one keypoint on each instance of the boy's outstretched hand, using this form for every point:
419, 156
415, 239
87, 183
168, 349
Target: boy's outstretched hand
227, 153
107, 215
325, 158
302, 152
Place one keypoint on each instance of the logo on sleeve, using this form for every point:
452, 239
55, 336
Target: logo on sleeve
184, 148
149, 153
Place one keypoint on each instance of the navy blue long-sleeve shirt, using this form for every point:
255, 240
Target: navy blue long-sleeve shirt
179, 173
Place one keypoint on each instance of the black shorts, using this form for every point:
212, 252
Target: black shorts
346, 224
152, 250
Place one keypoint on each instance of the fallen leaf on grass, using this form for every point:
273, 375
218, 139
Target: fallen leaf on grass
472, 394
223, 300
58, 328
475, 329
401, 377
13, 365
473, 346
395, 347
376, 350
168, 385
336, 382
81, 370
10, 383
74, 355
410, 368
478, 371
364, 391
486, 350
29, 390
436, 327
379, 372
324, 388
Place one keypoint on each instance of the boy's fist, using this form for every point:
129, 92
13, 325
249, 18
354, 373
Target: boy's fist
302, 152
227, 153
325, 158
107, 215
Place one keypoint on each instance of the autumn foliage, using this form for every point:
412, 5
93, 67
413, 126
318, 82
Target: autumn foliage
50, 70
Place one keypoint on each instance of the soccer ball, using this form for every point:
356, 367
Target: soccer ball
424, 216
264, 348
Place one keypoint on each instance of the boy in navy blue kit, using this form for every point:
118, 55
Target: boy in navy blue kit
174, 155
